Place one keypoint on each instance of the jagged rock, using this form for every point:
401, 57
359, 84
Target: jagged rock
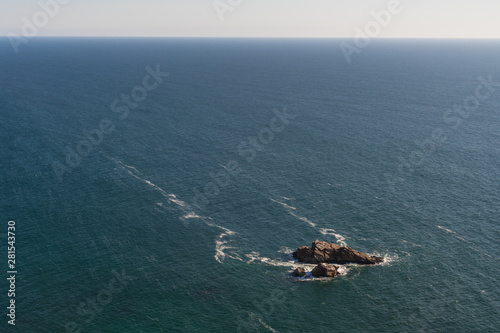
325, 270
303, 253
323, 252
299, 272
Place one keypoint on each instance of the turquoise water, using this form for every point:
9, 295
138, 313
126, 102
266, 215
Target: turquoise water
184, 216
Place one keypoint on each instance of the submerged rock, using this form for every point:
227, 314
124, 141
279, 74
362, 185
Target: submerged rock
323, 252
299, 272
325, 270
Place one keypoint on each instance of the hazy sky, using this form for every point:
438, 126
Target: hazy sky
252, 18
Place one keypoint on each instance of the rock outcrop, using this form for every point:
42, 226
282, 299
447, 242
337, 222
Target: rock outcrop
323, 252
303, 254
299, 272
325, 270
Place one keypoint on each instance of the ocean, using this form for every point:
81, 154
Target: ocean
161, 185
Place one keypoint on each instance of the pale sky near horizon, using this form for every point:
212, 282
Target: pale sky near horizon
254, 18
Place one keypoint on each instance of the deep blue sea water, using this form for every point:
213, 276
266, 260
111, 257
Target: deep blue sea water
184, 216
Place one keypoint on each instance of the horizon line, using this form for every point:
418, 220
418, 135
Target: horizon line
244, 37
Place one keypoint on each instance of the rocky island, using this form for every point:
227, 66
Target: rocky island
325, 254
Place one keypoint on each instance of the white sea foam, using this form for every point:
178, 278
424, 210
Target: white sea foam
470, 244
448, 230
311, 224
324, 231
173, 198
411, 243
132, 171
389, 258
290, 210
452, 232
262, 322
285, 250
331, 232
226, 232
288, 207
343, 269
223, 248
255, 257
120, 162
191, 215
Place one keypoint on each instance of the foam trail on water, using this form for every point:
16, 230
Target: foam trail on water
262, 322
331, 232
256, 257
448, 230
220, 251
120, 162
173, 198
130, 170
311, 224
324, 231
290, 210
222, 247
453, 232
288, 207
465, 240
191, 215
